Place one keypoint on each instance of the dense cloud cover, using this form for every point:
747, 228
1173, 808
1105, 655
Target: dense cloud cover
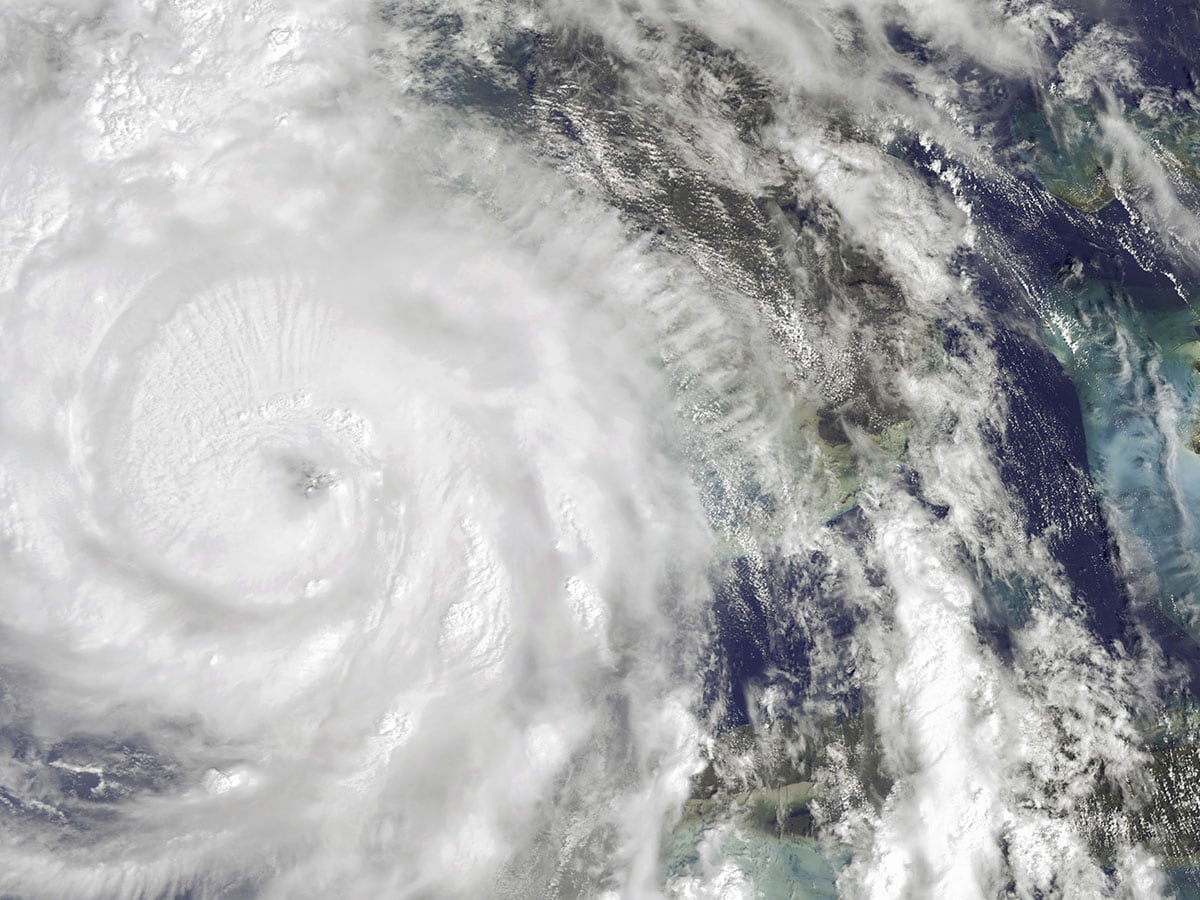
431, 429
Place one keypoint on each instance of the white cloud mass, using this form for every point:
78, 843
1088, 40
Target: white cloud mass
367, 447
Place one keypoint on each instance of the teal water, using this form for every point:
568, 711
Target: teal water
1133, 360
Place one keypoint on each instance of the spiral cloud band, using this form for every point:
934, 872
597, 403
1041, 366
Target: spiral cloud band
364, 537
545, 449
340, 552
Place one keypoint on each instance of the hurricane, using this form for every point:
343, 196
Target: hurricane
616, 449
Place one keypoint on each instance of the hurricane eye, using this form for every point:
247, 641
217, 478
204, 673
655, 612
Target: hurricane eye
312, 481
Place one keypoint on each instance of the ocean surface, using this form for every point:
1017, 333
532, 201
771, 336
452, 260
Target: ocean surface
609, 449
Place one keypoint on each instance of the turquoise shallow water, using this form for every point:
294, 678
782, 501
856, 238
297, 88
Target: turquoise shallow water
1133, 360
751, 863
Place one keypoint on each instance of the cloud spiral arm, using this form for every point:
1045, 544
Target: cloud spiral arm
381, 385
339, 554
